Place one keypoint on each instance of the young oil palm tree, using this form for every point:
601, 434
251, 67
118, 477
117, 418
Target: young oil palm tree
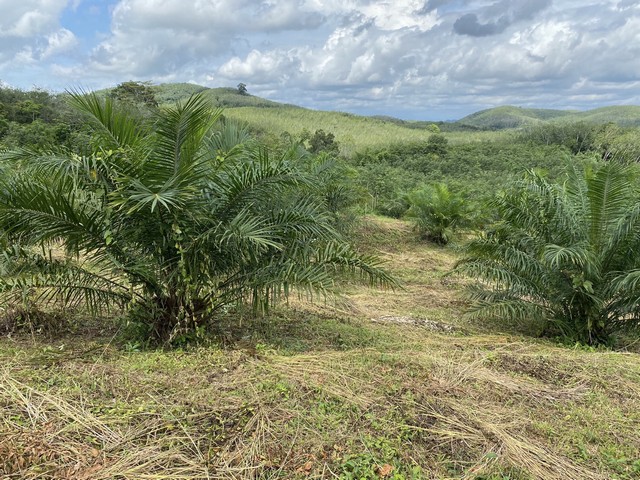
437, 212
568, 255
154, 217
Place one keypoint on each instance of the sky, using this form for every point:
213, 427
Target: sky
412, 59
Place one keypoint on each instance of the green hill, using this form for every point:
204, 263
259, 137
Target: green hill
354, 132
515, 117
511, 117
224, 97
627, 115
173, 92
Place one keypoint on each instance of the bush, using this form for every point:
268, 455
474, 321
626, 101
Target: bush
437, 212
152, 218
567, 255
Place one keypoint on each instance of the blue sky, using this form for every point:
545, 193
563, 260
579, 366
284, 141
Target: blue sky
416, 59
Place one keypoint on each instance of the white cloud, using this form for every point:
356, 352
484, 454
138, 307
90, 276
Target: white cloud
395, 15
59, 42
30, 31
29, 18
541, 52
272, 67
367, 55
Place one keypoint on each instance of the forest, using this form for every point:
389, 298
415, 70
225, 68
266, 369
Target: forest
201, 283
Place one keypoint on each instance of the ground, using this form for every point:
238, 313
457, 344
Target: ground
384, 384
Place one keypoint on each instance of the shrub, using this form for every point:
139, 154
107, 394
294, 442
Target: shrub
568, 255
437, 212
154, 219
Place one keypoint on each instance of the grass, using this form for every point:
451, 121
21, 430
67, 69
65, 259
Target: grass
352, 132
512, 117
321, 391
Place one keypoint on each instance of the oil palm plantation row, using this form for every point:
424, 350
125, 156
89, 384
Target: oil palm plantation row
168, 218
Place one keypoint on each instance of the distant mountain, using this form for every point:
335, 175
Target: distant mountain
626, 116
427, 125
511, 117
515, 117
499, 118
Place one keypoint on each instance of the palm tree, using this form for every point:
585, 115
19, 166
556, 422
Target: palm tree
568, 255
154, 218
437, 212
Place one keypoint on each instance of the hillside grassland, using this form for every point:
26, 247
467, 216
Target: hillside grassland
497, 118
514, 117
387, 384
353, 133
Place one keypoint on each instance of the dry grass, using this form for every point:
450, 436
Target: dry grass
427, 293
323, 392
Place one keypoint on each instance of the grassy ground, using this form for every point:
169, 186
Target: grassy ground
325, 392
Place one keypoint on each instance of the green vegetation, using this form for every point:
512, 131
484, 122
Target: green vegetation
36, 119
437, 213
566, 255
142, 244
515, 117
319, 393
511, 117
622, 115
155, 219
135, 93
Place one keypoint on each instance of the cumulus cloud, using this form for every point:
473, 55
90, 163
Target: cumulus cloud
58, 42
150, 37
30, 31
503, 14
272, 67
403, 57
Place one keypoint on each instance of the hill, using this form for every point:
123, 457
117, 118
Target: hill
168, 93
352, 132
626, 116
515, 117
498, 118
511, 117
355, 132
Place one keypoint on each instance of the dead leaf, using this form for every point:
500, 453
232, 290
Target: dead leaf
306, 468
385, 470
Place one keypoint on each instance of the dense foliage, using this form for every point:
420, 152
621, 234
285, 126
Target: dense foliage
118, 166
479, 169
36, 119
565, 254
159, 218
437, 212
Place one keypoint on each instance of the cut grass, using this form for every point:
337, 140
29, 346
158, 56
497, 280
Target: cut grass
322, 392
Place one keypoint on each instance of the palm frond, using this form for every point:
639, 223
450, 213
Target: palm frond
572, 248
42, 210
180, 135
59, 281
114, 125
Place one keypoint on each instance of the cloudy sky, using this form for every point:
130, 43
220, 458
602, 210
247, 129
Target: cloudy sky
415, 59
